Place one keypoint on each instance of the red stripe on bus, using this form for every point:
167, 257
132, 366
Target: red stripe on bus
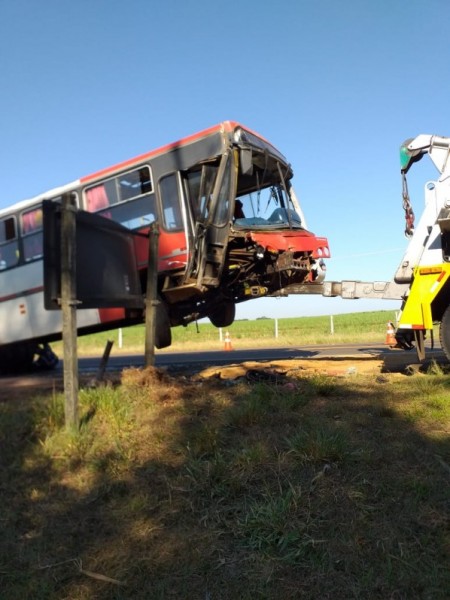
21, 294
111, 314
226, 126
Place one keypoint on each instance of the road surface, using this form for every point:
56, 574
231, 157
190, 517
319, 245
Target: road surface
343, 356
221, 357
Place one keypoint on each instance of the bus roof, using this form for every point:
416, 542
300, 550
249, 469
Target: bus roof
223, 127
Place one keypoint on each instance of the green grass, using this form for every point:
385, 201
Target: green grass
315, 444
334, 487
359, 327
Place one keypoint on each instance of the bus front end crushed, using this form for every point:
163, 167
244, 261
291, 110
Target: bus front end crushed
262, 263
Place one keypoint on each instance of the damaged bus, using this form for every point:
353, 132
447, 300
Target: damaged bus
231, 230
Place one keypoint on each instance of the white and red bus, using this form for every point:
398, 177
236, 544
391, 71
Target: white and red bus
231, 229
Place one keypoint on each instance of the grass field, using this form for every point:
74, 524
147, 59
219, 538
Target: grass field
295, 487
367, 326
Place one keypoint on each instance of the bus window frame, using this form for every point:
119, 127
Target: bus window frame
115, 179
13, 218
33, 235
36, 208
227, 170
10, 242
181, 202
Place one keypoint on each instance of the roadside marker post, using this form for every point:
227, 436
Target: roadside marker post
69, 310
151, 297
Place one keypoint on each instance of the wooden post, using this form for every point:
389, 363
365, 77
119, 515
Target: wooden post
69, 310
151, 298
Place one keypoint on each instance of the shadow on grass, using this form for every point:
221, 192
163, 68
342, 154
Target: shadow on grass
314, 487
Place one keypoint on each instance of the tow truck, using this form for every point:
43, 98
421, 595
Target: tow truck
422, 280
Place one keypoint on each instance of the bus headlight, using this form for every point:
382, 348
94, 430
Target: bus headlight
259, 252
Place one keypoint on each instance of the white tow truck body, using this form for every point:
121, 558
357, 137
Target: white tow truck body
422, 279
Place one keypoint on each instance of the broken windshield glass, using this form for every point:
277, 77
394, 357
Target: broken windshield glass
267, 208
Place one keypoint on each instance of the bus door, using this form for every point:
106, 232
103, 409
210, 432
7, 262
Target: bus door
210, 187
176, 228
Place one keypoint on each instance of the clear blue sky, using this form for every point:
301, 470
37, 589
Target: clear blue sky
337, 86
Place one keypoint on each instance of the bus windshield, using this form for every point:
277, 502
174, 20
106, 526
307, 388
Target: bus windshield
264, 196
267, 208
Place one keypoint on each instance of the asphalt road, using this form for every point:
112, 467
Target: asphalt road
393, 360
221, 357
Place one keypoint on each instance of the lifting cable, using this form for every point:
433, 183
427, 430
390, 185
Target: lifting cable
409, 213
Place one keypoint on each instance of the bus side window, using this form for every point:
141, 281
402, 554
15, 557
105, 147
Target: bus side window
98, 198
170, 201
126, 198
201, 186
32, 234
9, 247
193, 180
134, 183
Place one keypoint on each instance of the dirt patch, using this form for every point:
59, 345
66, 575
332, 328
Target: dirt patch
293, 367
14, 388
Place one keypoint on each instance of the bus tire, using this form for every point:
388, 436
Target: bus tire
46, 358
223, 314
444, 332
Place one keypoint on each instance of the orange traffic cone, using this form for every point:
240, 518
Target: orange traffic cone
390, 335
227, 347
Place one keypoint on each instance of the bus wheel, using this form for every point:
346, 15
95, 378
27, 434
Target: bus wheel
223, 314
46, 358
444, 332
